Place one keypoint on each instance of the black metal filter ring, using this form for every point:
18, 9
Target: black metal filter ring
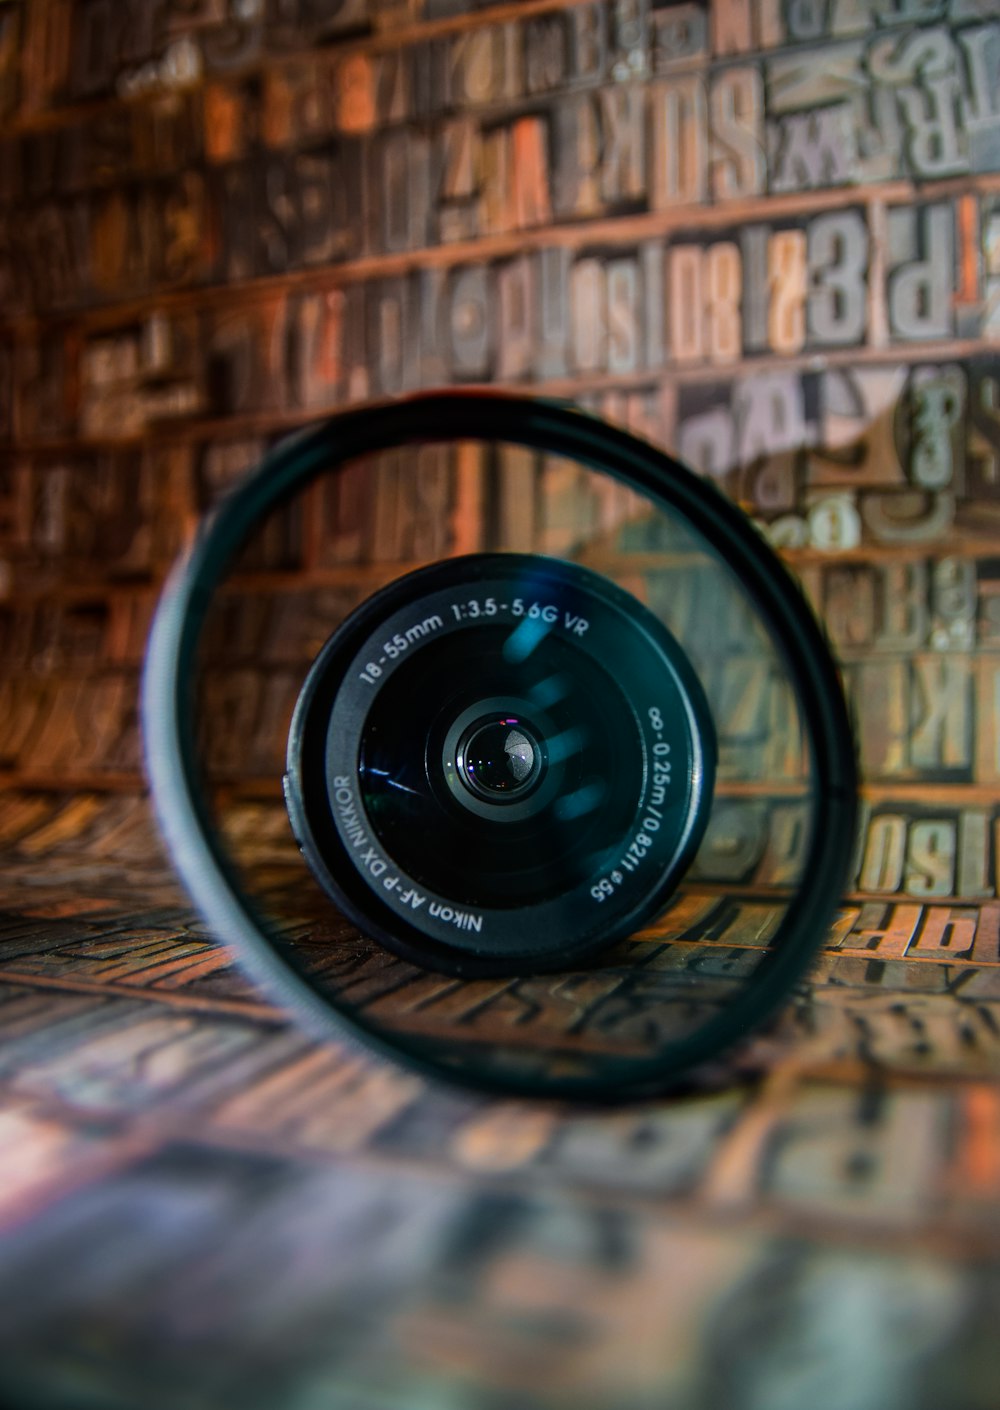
199, 852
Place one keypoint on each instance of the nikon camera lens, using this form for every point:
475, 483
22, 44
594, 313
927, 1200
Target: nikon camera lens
500, 764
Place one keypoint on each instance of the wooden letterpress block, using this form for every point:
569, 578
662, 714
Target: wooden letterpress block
430, 470
849, 606
44, 385
564, 507
837, 254
736, 109
552, 267
344, 512
787, 265
17, 495
946, 933
881, 870
922, 273
390, 308
679, 117
470, 322
54, 254
624, 316
908, 517
770, 485
125, 242
685, 303
576, 158
980, 46
47, 46
520, 500
477, 72
468, 523
495, 214
458, 168
651, 257
881, 138
356, 352
277, 232
427, 360
881, 694
515, 305
930, 858
246, 366
588, 42
732, 27
740, 688
678, 36
393, 101
234, 42
402, 192
317, 320
623, 144
391, 523
224, 107
706, 438
936, 404
95, 53
983, 433
734, 842
770, 415
331, 203
529, 172
723, 294
546, 57
813, 149
355, 82
973, 879
233, 197
754, 244
588, 316
987, 732
942, 713
905, 611
968, 299
857, 430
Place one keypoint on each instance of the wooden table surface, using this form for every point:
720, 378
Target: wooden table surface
203, 1207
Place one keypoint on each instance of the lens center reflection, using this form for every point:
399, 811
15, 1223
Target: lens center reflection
499, 758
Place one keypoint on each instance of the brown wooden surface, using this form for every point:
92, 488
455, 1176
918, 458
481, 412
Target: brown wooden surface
768, 238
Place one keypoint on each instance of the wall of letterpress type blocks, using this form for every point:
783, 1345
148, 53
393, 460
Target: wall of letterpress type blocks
765, 235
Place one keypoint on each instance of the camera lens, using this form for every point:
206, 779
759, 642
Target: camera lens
500, 759
499, 762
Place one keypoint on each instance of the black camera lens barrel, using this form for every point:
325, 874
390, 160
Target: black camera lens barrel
517, 874
200, 853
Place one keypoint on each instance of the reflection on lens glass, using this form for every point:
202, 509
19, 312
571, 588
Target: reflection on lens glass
499, 758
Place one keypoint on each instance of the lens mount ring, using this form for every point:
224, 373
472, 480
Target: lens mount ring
199, 851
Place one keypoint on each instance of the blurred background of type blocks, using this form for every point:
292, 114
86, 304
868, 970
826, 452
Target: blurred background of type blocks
765, 236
